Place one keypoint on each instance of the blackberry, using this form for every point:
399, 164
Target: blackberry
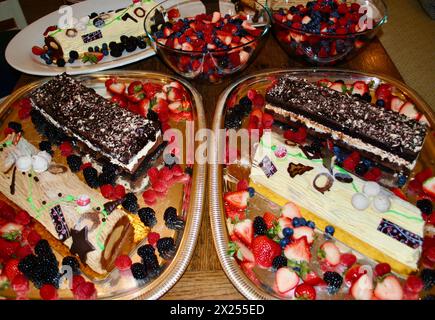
15, 126
361, 169
334, 281
73, 263
428, 277
106, 178
260, 226
46, 273
152, 265
367, 97
27, 265
233, 119
74, 162
45, 146
139, 271
130, 203
38, 121
91, 177
153, 116
54, 135
43, 250
73, 55
166, 247
109, 168
171, 219
147, 216
245, 102
425, 206
145, 251
279, 262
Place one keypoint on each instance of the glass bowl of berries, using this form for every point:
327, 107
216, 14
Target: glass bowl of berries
208, 41
326, 32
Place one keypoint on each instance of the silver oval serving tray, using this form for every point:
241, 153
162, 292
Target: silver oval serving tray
217, 185
185, 239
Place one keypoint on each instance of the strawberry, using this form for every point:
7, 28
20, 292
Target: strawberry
304, 231
143, 107
396, 104
175, 94
234, 213
38, 51
11, 269
362, 288
423, 175
324, 83
360, 87
109, 82
429, 187
153, 237
258, 101
251, 94
151, 89
311, 278
22, 218
305, 292
216, 17
243, 253
136, 97
11, 231
242, 185
244, 231
92, 57
298, 137
265, 250
374, 174
338, 86
267, 120
329, 252
134, 87
408, 109
382, 269
291, 210
270, 219
123, 262
389, 289
384, 92
238, 199
7, 212
33, 238
24, 251
286, 280
117, 88
298, 250
348, 259
120, 100
414, 284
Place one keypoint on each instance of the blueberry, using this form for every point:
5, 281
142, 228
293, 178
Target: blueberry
287, 232
96, 49
330, 230
105, 52
284, 242
104, 46
73, 54
302, 221
337, 150
60, 62
90, 49
311, 224
251, 192
380, 103
367, 163
48, 61
71, 60
401, 181
296, 222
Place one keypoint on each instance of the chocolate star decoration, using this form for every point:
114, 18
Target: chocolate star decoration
295, 169
80, 244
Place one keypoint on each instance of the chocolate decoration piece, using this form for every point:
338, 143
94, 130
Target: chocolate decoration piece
59, 222
295, 169
343, 177
327, 159
94, 217
12, 188
110, 206
328, 184
81, 245
57, 169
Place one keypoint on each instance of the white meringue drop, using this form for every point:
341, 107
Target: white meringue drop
360, 201
45, 155
371, 189
24, 163
39, 164
381, 203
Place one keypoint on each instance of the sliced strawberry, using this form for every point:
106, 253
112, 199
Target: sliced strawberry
143, 107
291, 210
120, 100
243, 253
8, 248
305, 291
265, 250
348, 259
244, 56
283, 222
429, 187
329, 252
423, 119
286, 280
298, 250
176, 107
360, 87
244, 231
216, 17
117, 88
338, 86
93, 57
304, 231
384, 92
11, 229
396, 104
362, 288
352, 274
270, 219
389, 289
311, 278
324, 83
238, 199
408, 109
134, 87
267, 120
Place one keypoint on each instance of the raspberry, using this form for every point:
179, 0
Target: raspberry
165, 174
242, 185
22, 218
177, 170
7, 212
382, 269
8, 248
107, 191
123, 262
153, 173
20, 284
33, 238
48, 292
85, 291
414, 284
374, 174
119, 192
24, 113
76, 282
298, 137
11, 269
160, 186
24, 251
66, 148
149, 196
153, 237
258, 101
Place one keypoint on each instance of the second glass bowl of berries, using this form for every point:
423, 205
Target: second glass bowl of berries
326, 32
207, 43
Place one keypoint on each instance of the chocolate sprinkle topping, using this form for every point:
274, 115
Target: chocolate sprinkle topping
385, 129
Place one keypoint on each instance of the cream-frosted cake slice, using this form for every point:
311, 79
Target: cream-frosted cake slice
389, 230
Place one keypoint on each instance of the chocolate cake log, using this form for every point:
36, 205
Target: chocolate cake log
50, 197
125, 138
385, 135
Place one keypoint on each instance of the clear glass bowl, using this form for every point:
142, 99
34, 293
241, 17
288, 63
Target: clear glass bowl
307, 46
209, 65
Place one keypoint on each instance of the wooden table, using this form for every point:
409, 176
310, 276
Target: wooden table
204, 278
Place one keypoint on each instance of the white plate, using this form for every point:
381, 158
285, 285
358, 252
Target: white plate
19, 51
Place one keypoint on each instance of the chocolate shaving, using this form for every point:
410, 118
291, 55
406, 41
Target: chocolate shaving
111, 205
328, 184
295, 169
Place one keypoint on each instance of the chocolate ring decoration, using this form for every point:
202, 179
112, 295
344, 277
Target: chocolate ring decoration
71, 33
139, 12
328, 184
